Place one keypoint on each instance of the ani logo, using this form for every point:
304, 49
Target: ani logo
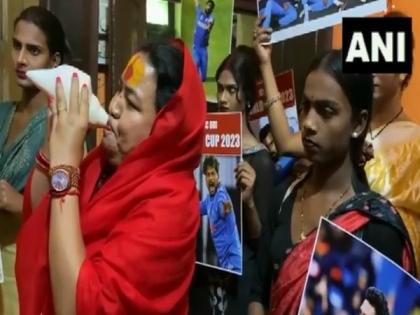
377, 45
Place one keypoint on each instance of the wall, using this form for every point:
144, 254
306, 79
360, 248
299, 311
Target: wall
9, 10
128, 32
411, 94
244, 31
178, 15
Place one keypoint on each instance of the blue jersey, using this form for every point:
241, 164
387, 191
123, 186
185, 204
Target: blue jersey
202, 31
224, 232
284, 166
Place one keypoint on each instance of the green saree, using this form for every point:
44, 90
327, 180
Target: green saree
16, 162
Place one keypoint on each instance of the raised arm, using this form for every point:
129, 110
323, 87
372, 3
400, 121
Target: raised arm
38, 183
66, 246
285, 141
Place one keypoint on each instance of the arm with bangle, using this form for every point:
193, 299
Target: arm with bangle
40, 179
40, 185
285, 141
66, 246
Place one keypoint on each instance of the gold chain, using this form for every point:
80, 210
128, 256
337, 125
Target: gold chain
373, 137
330, 209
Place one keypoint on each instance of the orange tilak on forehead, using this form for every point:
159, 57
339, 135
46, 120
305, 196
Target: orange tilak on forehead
134, 72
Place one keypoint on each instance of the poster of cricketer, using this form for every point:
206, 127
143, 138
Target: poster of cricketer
220, 235
291, 18
206, 28
347, 276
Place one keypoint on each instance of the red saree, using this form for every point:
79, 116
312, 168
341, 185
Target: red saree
288, 287
139, 229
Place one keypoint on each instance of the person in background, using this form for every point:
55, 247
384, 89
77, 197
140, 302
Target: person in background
204, 22
38, 42
283, 164
335, 105
236, 78
395, 138
393, 172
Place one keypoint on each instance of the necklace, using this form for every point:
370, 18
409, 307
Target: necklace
330, 209
373, 137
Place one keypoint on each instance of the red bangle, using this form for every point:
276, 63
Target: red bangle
44, 158
73, 191
42, 162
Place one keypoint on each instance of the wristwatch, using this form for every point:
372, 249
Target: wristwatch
63, 178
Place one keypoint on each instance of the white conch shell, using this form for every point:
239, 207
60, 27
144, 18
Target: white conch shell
45, 79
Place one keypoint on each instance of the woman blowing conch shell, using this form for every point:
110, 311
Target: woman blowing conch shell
116, 232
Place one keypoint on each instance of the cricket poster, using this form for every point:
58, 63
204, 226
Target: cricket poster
220, 235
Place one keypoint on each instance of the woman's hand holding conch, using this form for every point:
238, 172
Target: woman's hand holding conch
69, 123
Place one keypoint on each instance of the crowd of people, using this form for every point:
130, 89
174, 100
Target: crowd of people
114, 231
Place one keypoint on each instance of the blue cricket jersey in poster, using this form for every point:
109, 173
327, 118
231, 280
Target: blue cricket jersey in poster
219, 209
202, 33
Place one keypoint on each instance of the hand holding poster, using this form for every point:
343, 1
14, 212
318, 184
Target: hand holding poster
286, 87
220, 236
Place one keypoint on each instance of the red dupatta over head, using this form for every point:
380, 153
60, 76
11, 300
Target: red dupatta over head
139, 229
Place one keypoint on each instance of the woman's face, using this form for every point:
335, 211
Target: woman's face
326, 118
30, 51
229, 97
132, 109
386, 86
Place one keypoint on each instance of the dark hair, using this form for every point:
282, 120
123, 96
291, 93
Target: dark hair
213, 5
210, 161
168, 61
49, 24
377, 299
358, 88
264, 132
243, 64
393, 14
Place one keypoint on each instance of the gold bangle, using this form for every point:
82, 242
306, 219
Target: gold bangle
269, 103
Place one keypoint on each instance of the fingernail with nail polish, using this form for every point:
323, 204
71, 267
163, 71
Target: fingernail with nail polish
75, 75
58, 80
